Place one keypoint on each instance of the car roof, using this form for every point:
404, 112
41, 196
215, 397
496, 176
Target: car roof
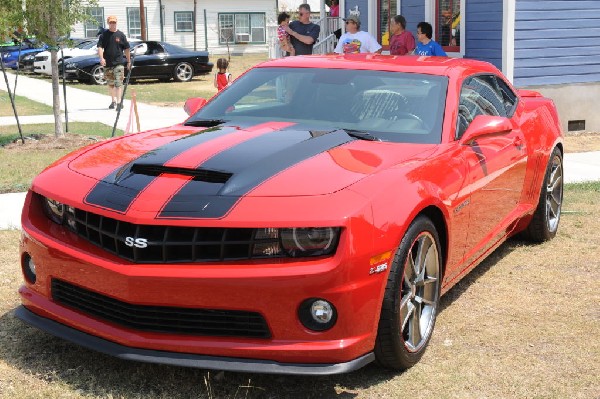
443, 66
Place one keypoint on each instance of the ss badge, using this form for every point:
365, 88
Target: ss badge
136, 242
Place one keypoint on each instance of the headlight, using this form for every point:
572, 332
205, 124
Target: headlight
42, 58
296, 242
28, 57
311, 241
59, 212
54, 210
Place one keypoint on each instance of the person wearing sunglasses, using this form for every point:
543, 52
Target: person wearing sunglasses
425, 45
356, 40
303, 33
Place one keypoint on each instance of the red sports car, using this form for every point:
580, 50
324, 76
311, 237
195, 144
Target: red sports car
305, 220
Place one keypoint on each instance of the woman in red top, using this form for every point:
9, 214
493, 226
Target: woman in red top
222, 77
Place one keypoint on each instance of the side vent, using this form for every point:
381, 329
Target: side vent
576, 125
532, 192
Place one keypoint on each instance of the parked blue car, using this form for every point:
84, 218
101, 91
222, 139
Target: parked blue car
13, 57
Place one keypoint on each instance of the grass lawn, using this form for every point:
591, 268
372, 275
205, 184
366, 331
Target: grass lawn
21, 163
523, 324
23, 105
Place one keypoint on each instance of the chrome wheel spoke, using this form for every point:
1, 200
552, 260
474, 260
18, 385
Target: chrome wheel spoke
430, 291
421, 258
420, 292
414, 327
406, 310
554, 194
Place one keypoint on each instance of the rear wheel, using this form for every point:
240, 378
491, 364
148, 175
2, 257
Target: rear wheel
544, 224
98, 75
411, 298
184, 72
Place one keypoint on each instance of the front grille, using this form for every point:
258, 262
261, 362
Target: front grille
172, 244
161, 319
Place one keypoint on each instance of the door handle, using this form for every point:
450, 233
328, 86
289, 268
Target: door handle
518, 142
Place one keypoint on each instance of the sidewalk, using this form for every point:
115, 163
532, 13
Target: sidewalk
86, 106
83, 106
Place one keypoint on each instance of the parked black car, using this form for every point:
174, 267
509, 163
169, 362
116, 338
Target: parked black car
153, 60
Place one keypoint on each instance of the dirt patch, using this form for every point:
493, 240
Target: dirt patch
47, 142
582, 142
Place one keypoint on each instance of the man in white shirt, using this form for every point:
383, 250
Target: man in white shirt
355, 40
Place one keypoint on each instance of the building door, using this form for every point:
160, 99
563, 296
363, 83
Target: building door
386, 9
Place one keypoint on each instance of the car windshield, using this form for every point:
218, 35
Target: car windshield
86, 45
390, 106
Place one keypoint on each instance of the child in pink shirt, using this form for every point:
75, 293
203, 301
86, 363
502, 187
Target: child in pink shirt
283, 19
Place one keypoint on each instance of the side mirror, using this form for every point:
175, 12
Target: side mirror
192, 105
485, 125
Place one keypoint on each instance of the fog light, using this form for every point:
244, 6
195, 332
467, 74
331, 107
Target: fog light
28, 267
317, 314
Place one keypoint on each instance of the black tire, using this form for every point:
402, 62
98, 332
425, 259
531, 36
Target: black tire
544, 225
183, 72
97, 76
411, 298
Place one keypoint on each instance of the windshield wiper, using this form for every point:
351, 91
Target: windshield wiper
205, 122
359, 134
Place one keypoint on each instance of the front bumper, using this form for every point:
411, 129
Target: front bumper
274, 290
186, 359
202, 69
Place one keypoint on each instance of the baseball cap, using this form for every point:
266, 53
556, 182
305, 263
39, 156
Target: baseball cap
353, 18
111, 18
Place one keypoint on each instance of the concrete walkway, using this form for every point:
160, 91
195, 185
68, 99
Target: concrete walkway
85, 106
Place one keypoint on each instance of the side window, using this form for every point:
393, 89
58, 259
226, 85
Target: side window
509, 97
482, 95
468, 108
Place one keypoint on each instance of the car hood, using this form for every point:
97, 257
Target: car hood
71, 52
186, 168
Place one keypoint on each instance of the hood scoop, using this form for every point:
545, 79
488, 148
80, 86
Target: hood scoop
204, 175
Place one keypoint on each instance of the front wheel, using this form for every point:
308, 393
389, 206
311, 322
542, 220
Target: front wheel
544, 224
97, 76
411, 298
184, 72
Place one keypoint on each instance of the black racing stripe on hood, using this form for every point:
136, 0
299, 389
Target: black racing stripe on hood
118, 189
252, 163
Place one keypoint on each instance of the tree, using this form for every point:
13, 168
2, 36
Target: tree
51, 22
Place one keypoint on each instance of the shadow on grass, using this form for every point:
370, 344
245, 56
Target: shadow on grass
53, 360
479, 271
94, 374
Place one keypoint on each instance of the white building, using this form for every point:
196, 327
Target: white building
238, 25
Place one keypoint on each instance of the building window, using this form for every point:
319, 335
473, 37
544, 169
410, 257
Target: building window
448, 26
92, 28
184, 21
387, 9
134, 23
242, 28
